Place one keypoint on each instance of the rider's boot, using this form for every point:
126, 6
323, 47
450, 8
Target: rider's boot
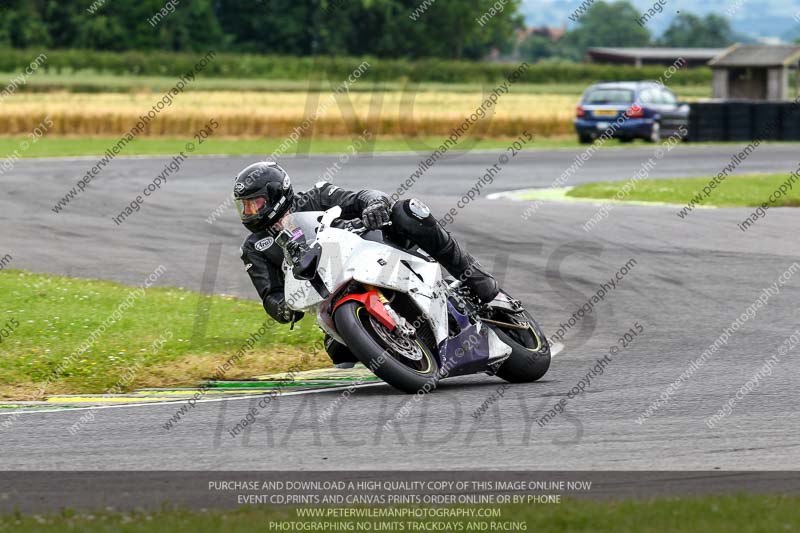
340, 355
466, 268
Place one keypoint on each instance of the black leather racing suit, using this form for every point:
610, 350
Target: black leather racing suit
411, 220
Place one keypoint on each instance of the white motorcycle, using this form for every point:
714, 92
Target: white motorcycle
390, 305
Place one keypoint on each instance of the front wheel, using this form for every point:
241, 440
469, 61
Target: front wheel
404, 363
530, 351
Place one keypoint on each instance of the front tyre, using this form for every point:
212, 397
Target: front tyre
406, 364
530, 351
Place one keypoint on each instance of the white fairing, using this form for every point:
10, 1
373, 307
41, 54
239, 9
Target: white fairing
498, 350
346, 257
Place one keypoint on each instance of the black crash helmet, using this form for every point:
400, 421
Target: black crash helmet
263, 193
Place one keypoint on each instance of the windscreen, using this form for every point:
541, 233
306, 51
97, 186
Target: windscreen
609, 97
303, 225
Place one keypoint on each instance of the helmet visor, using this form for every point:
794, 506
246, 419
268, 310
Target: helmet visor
251, 208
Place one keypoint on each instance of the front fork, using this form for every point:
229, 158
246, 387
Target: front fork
401, 324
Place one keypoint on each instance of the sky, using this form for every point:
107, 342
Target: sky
758, 18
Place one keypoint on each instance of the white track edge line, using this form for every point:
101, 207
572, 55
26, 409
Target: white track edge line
175, 402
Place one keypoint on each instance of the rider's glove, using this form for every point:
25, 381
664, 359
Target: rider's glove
376, 214
286, 314
295, 250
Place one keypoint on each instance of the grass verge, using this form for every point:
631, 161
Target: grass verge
75, 146
86, 146
749, 190
95, 82
742, 513
47, 318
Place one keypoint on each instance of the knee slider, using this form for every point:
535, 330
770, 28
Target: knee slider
416, 211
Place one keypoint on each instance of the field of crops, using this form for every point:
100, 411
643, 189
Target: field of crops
278, 113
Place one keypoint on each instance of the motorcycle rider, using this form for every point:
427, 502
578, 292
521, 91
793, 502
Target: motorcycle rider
264, 197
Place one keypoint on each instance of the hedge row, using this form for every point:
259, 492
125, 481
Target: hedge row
336, 68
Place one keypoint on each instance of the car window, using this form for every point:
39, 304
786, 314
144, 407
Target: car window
668, 98
608, 97
648, 96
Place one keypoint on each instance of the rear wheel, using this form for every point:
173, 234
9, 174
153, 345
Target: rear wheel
530, 351
655, 133
584, 139
405, 363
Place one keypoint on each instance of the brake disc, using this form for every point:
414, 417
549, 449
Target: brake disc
401, 345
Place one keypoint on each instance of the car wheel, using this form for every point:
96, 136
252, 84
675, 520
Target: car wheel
626, 139
584, 139
655, 133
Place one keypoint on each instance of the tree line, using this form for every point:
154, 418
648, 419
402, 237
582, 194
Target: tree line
382, 28
409, 29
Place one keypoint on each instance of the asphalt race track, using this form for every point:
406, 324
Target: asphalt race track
691, 279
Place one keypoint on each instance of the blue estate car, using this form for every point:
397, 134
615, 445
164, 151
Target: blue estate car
653, 111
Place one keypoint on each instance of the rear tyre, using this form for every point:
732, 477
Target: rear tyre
584, 139
626, 139
655, 133
381, 351
530, 351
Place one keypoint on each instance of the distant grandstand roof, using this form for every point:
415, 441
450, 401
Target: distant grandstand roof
654, 54
757, 56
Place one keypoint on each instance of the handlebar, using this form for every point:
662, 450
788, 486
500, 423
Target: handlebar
363, 229
355, 225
